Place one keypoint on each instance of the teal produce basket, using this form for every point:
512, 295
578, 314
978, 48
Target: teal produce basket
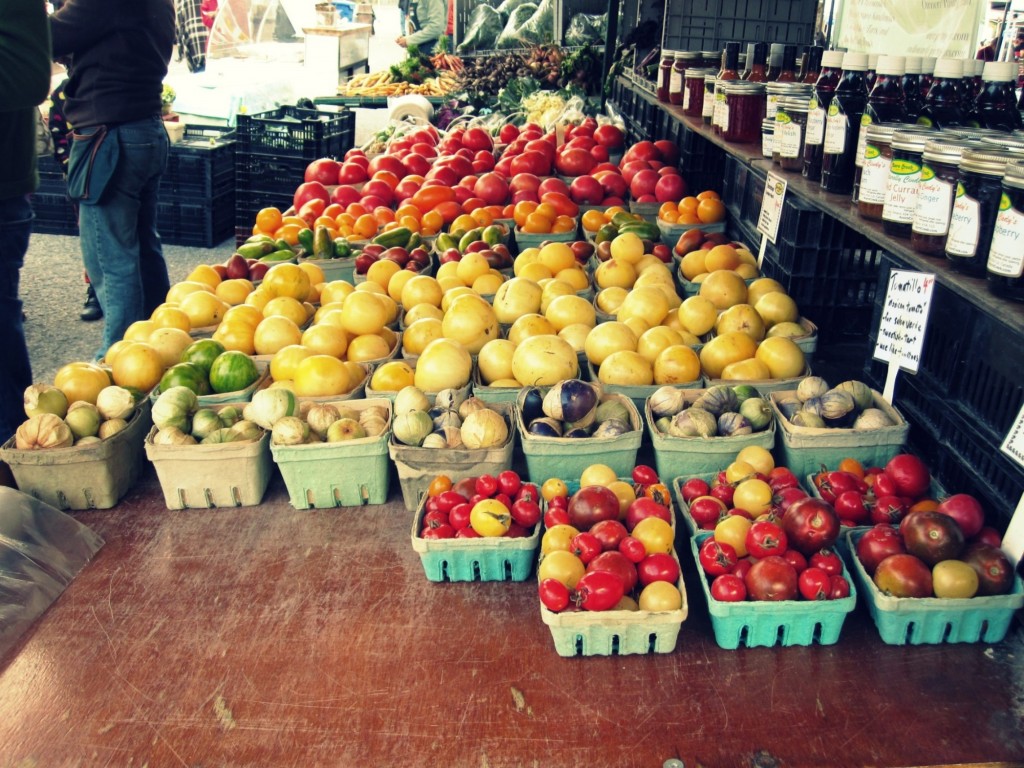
345, 474
482, 559
933, 620
639, 393
766, 624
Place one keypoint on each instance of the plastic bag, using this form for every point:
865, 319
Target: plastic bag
587, 28
41, 551
485, 24
509, 37
507, 6
540, 28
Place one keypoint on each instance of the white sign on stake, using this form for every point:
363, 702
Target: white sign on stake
1013, 446
908, 299
771, 208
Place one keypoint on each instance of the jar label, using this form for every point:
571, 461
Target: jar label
815, 126
789, 139
675, 82
708, 106
934, 202
724, 117
862, 140
964, 225
835, 132
772, 106
686, 97
874, 177
767, 144
901, 191
1006, 255
781, 118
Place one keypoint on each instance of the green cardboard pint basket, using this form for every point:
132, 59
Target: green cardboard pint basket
805, 449
346, 474
638, 393
933, 620
766, 624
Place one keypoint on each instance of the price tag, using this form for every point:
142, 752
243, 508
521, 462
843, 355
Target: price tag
908, 300
771, 207
1013, 446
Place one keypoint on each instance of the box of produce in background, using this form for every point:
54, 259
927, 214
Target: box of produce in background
348, 473
550, 455
417, 465
93, 476
872, 438
222, 474
760, 623
681, 447
931, 620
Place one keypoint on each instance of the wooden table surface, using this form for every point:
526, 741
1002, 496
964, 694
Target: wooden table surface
267, 636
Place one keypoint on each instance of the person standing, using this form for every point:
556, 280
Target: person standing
24, 84
118, 52
428, 18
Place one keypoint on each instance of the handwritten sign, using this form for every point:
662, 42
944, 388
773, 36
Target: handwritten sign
946, 28
1013, 445
908, 300
771, 207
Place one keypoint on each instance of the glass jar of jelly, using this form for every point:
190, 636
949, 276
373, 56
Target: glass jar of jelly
693, 91
665, 75
683, 60
743, 112
979, 190
940, 169
904, 178
707, 111
767, 137
1005, 264
790, 124
874, 170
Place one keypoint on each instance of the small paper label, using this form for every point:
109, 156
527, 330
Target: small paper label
901, 331
771, 207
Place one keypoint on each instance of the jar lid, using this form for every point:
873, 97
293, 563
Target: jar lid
790, 89
854, 61
1014, 176
832, 59
882, 131
742, 87
911, 141
687, 55
699, 72
710, 77
947, 150
952, 68
975, 134
999, 71
891, 65
928, 63
794, 104
991, 162
711, 54
1011, 143
768, 125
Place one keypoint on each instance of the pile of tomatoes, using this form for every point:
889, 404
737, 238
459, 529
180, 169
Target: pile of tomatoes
483, 506
598, 552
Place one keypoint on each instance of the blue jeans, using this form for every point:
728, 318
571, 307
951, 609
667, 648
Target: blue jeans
120, 245
15, 371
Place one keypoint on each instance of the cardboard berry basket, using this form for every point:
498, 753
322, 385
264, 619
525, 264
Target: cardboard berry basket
418, 466
218, 475
639, 393
933, 620
482, 559
787, 623
346, 474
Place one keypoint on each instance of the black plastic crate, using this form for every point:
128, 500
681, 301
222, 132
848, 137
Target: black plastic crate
203, 223
268, 174
838, 324
201, 165
54, 215
990, 386
248, 203
971, 462
709, 24
294, 132
919, 398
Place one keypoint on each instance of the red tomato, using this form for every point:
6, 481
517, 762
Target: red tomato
771, 579
435, 519
717, 557
966, 510
509, 482
850, 506
633, 549
553, 594
877, 544
811, 524
599, 590
658, 567
645, 475
794, 558
440, 532
815, 584
765, 539
610, 533
838, 588
904, 576
827, 561
617, 564
909, 474
888, 509
554, 516
695, 488
586, 546
609, 136
729, 588
459, 516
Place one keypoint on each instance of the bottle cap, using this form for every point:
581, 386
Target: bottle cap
951, 68
832, 59
999, 71
873, 61
750, 54
928, 64
857, 62
890, 65
913, 65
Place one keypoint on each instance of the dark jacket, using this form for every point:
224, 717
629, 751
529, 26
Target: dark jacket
119, 50
24, 83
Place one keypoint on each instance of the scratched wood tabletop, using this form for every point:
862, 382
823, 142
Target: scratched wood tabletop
267, 636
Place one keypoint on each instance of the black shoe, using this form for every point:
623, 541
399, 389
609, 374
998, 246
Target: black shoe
91, 310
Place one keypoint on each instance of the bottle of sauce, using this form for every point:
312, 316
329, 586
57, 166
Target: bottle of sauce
886, 104
842, 123
943, 105
748, 59
787, 70
774, 62
757, 55
1006, 254
927, 70
912, 88
995, 107
812, 64
728, 72
824, 88
870, 75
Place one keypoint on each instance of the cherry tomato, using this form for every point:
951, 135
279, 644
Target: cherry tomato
644, 475
467, 533
633, 549
850, 506
883, 485
888, 509
439, 485
717, 557
765, 539
742, 566
487, 485
610, 533
695, 488
440, 532
528, 491
814, 584
658, 567
561, 565
554, 516
659, 492
839, 589
599, 590
729, 588
733, 530
435, 519
909, 474
660, 596
782, 477
827, 561
526, 513
586, 546
553, 594
509, 482
617, 564
449, 499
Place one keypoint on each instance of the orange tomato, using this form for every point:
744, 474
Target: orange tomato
563, 204
409, 222
689, 205
483, 217
611, 211
269, 219
429, 198
924, 505
387, 177
852, 466
659, 492
496, 211
334, 210
508, 211
296, 220
356, 210
465, 222
563, 223
345, 220
668, 208
449, 210
439, 485
537, 224
383, 214
431, 222
408, 210
548, 210
708, 194
472, 204
324, 221
289, 233
687, 217
711, 211
593, 220
523, 209
366, 226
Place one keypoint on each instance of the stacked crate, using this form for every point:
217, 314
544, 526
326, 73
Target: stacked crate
273, 150
54, 213
197, 190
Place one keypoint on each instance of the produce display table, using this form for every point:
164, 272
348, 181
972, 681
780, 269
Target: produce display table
276, 637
